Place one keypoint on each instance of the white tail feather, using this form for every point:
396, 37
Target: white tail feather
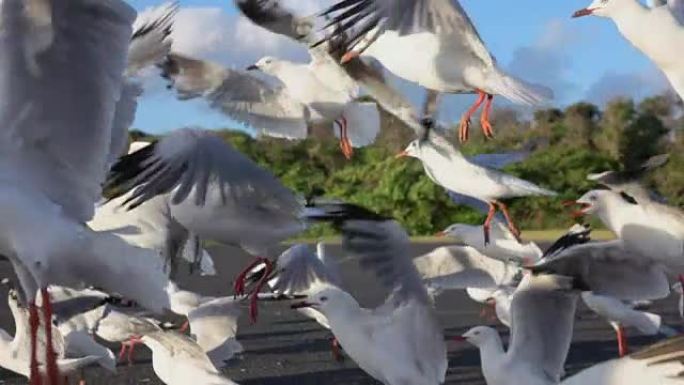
516, 90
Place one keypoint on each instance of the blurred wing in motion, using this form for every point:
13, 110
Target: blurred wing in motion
271, 15
197, 163
298, 268
151, 40
214, 325
263, 106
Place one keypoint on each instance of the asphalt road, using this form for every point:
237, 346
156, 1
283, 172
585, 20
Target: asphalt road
284, 348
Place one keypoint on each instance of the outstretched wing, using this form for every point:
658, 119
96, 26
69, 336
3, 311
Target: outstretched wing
263, 106
196, 163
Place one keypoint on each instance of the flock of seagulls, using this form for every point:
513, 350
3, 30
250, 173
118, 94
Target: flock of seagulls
117, 222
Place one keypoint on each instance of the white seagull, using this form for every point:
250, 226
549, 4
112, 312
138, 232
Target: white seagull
210, 189
659, 364
451, 55
542, 317
658, 32
178, 360
503, 244
152, 225
400, 342
621, 315
15, 352
61, 130
446, 166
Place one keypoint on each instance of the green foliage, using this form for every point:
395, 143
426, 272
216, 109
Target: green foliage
569, 144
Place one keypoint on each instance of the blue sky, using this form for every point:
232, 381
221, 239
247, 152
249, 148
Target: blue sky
580, 59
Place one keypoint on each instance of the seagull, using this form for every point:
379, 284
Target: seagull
542, 317
299, 271
61, 122
320, 92
657, 32
152, 225
447, 167
399, 342
211, 189
659, 364
605, 268
453, 57
649, 228
621, 315
15, 351
178, 360
627, 182
504, 245
366, 74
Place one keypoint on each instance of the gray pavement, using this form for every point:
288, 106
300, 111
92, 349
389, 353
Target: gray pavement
284, 348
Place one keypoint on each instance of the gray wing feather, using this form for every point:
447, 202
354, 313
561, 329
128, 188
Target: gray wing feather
243, 97
56, 115
383, 246
299, 268
214, 325
271, 15
190, 160
541, 329
607, 268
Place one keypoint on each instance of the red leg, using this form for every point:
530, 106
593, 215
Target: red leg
465, 120
122, 351
509, 221
622, 341
51, 356
345, 144
253, 307
184, 328
34, 323
488, 222
487, 128
239, 285
336, 350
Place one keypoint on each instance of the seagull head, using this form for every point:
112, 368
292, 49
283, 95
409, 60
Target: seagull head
589, 203
266, 64
412, 150
456, 231
479, 335
598, 8
328, 300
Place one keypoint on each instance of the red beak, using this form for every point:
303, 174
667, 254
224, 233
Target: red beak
460, 339
401, 155
582, 211
300, 305
441, 234
583, 12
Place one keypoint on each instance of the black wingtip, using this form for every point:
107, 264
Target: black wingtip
338, 213
572, 238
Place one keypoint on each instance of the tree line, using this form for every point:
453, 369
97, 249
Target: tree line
567, 144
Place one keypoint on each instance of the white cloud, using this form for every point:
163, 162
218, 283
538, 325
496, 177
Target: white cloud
547, 61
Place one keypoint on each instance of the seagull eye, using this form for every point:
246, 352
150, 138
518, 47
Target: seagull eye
323, 299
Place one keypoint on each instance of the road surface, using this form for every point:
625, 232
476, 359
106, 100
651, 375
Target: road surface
284, 348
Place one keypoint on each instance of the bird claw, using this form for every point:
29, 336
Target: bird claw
463, 129
487, 129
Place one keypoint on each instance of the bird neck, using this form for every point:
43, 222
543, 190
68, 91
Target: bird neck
629, 18
492, 354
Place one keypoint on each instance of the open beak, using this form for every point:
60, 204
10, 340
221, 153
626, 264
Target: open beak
401, 155
580, 211
441, 234
253, 67
301, 305
460, 339
583, 12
